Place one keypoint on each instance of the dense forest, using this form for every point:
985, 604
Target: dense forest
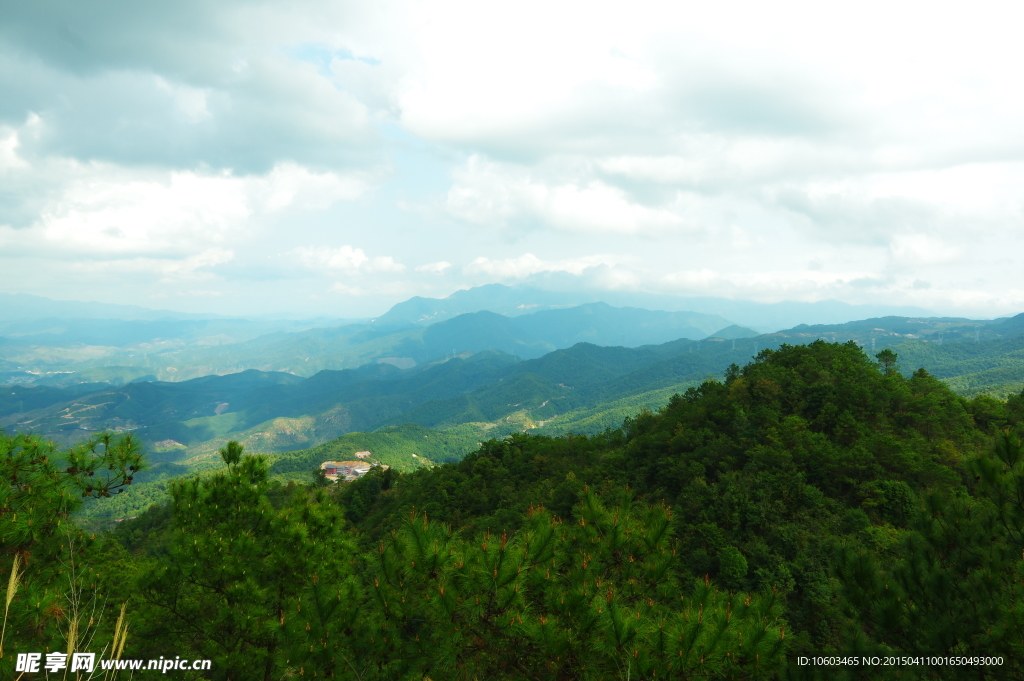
815, 502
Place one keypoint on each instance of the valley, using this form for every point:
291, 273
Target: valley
455, 380
518, 419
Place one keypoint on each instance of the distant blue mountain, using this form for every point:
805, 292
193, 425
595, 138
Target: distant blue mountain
533, 335
510, 301
514, 301
26, 306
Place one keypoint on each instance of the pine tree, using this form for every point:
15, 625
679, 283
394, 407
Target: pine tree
238, 568
58, 587
589, 598
957, 589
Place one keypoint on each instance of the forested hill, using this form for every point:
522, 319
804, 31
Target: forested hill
490, 383
806, 444
814, 472
973, 356
813, 502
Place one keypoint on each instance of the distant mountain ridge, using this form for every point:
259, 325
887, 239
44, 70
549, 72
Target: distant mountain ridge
192, 412
305, 352
26, 306
455, 402
499, 298
533, 335
489, 385
61, 332
509, 301
734, 332
894, 329
513, 301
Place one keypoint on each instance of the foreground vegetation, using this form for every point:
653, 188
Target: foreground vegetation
814, 502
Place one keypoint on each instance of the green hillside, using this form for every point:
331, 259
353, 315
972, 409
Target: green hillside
813, 502
394, 446
987, 367
253, 406
973, 356
585, 389
406, 449
274, 411
999, 382
495, 395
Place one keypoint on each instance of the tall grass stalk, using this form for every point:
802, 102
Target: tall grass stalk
116, 645
84, 613
72, 637
120, 633
12, 588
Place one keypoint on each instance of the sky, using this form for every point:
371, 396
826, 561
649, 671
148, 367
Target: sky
333, 158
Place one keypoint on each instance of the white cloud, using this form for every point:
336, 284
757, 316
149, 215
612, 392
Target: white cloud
439, 267
344, 259
63, 208
385, 264
378, 290
167, 270
525, 70
529, 264
492, 194
181, 86
922, 249
9, 157
173, 216
292, 186
191, 102
737, 148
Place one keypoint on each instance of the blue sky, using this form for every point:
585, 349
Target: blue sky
334, 158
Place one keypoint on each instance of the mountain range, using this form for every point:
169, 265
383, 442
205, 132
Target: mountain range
484, 378
422, 383
519, 300
61, 343
49, 352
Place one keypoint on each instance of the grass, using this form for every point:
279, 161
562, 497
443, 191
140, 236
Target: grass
12, 589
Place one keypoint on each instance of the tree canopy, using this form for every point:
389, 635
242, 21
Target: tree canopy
813, 502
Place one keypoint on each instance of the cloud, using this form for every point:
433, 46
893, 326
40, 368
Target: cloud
139, 118
718, 126
777, 284
290, 186
344, 259
182, 85
922, 249
83, 230
529, 264
99, 209
145, 216
492, 194
379, 290
740, 148
164, 270
439, 267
